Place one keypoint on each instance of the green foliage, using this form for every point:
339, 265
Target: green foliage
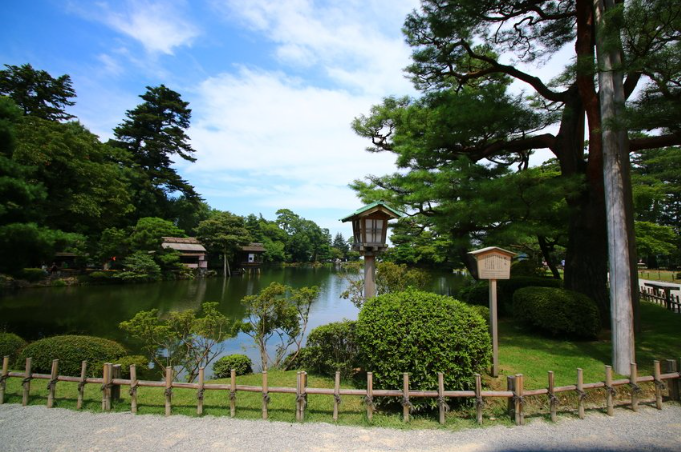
10, 344
33, 274
182, 340
70, 351
423, 334
225, 233
140, 267
390, 277
148, 233
37, 92
483, 311
305, 241
278, 311
527, 267
478, 292
557, 311
222, 368
331, 348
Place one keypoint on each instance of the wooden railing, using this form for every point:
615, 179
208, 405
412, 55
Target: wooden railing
516, 393
662, 297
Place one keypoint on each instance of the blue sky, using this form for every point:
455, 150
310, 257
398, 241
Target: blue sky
273, 86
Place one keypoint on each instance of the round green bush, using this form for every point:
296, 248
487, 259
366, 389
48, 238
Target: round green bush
422, 333
10, 344
240, 363
557, 311
141, 366
330, 348
478, 292
70, 351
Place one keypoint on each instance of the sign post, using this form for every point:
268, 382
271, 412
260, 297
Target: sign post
493, 263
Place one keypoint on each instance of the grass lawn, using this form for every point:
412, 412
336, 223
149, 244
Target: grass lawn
659, 275
520, 351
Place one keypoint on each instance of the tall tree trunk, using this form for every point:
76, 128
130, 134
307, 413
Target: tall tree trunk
226, 271
615, 172
548, 257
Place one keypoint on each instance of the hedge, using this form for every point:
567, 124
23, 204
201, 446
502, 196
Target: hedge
557, 311
478, 292
242, 364
70, 350
422, 333
10, 344
330, 348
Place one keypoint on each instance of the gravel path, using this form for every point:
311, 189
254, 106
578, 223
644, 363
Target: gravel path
37, 428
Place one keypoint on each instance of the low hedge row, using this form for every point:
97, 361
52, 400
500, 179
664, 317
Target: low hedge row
10, 344
478, 292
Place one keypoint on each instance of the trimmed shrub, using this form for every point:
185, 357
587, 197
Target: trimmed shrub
483, 311
527, 267
241, 363
422, 333
10, 344
478, 293
70, 351
557, 311
330, 348
141, 366
33, 274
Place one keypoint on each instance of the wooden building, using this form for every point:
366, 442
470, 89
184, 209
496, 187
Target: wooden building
192, 252
251, 256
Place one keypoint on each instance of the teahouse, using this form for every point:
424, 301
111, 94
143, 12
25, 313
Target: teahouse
192, 252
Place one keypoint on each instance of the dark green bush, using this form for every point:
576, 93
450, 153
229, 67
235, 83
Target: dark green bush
141, 366
33, 274
527, 267
478, 292
421, 333
330, 348
240, 363
70, 351
483, 311
557, 311
10, 344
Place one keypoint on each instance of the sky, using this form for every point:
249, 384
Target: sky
273, 86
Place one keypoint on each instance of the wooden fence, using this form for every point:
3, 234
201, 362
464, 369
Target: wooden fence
516, 393
661, 297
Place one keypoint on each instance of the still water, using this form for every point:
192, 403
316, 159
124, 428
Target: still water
97, 310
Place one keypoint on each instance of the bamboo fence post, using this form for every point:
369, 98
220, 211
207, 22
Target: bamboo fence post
169, 390
441, 396
108, 390
633, 380
304, 395
200, 391
518, 399
232, 392
117, 373
27, 382
105, 378
52, 385
478, 397
369, 400
265, 395
3, 378
553, 401
673, 384
580, 393
609, 391
336, 396
81, 385
133, 388
658, 384
406, 404
510, 386
298, 398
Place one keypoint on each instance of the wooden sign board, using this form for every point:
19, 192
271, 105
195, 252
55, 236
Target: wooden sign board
493, 263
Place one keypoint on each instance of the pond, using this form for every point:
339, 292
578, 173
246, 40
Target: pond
97, 310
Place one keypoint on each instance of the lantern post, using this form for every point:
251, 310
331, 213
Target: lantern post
369, 231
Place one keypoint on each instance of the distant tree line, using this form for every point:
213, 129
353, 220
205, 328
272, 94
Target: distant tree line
64, 190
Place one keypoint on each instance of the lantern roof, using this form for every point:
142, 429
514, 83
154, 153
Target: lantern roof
377, 206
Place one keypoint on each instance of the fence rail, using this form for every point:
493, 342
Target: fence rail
111, 384
663, 298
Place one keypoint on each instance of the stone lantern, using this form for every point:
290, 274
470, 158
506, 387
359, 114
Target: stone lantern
369, 230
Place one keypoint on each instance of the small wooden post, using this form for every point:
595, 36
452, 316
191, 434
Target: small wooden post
553, 401
441, 396
109, 385
510, 386
336, 396
298, 393
303, 403
105, 379
370, 396
265, 394
3, 378
405, 397
116, 373
27, 382
634, 387
133, 389
52, 385
478, 397
518, 406
232, 392
81, 385
609, 391
658, 384
169, 390
580, 393
493, 326
673, 384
